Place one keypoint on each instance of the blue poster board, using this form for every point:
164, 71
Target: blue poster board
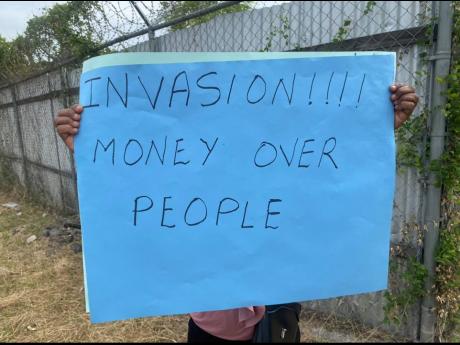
217, 182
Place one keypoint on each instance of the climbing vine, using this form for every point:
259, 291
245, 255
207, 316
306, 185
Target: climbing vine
282, 31
407, 273
412, 152
447, 287
412, 289
344, 29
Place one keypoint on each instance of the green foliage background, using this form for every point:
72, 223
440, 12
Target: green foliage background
75, 29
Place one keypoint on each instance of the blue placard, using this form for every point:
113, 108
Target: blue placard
216, 185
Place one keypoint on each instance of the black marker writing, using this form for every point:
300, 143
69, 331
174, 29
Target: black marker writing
165, 209
219, 210
274, 151
231, 88
328, 153
244, 226
141, 152
174, 90
289, 96
91, 105
289, 162
270, 213
303, 152
123, 100
137, 210
188, 208
311, 88
154, 103
153, 145
178, 151
208, 88
328, 87
257, 77
361, 89
343, 88
209, 149
110, 144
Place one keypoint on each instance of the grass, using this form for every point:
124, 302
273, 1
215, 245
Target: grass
327, 328
41, 290
42, 296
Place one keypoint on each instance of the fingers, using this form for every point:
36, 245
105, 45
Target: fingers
68, 112
404, 98
406, 107
66, 130
77, 108
73, 112
394, 87
400, 90
67, 123
61, 120
69, 142
69, 116
408, 97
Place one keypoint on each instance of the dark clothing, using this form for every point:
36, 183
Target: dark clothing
197, 335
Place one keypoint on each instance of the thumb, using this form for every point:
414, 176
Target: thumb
69, 142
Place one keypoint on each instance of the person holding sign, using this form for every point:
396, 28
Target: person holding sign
236, 324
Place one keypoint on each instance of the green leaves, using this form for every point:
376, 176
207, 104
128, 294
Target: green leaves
175, 9
409, 139
369, 7
412, 277
342, 32
447, 170
283, 31
62, 31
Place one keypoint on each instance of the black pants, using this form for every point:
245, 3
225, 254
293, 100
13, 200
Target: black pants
197, 335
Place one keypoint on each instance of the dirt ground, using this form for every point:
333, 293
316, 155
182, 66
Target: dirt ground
42, 296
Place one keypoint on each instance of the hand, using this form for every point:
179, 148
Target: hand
67, 123
405, 100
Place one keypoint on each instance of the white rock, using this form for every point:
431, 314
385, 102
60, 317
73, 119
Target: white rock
31, 239
32, 328
10, 205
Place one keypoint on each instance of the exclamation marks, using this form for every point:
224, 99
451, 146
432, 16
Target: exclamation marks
311, 88
361, 89
342, 91
328, 87
343, 88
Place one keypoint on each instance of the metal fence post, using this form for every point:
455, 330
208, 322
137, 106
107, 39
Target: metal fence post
152, 41
148, 24
441, 66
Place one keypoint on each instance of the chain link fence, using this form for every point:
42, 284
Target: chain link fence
33, 156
